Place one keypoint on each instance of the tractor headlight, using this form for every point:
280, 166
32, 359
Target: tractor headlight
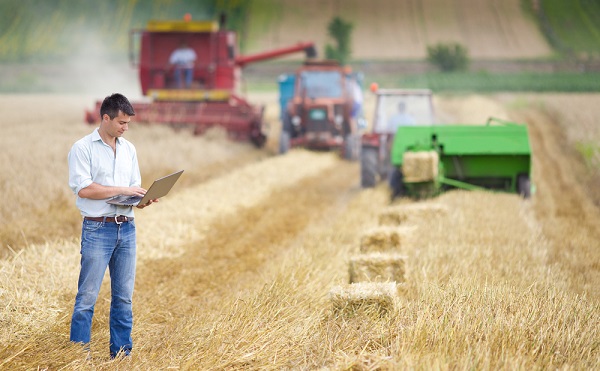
296, 120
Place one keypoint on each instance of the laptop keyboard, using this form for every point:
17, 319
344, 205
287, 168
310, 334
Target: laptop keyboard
123, 199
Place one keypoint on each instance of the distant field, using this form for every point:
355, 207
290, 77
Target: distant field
72, 46
52, 30
572, 26
487, 82
391, 29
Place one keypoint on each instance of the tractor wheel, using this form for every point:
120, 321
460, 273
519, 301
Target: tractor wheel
259, 140
368, 167
397, 183
524, 185
351, 147
284, 142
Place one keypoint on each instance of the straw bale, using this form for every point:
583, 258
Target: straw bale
396, 215
385, 238
377, 267
420, 166
364, 297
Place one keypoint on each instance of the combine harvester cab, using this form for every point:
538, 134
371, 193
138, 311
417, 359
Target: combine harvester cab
213, 99
321, 108
428, 160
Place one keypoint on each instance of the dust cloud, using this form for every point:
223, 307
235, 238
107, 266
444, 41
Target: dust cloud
98, 69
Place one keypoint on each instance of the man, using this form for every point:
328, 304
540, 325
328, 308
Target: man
102, 165
183, 59
401, 118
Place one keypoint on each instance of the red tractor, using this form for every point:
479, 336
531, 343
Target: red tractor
393, 108
211, 98
321, 106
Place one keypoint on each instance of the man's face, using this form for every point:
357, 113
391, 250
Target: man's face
117, 126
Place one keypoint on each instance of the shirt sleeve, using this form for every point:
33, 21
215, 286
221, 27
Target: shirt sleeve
80, 175
136, 178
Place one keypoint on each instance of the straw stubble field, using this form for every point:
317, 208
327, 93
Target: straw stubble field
237, 264
491, 29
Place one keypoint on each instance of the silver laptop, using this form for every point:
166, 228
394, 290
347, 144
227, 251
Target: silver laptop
158, 189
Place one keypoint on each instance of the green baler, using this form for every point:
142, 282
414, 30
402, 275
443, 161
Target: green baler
493, 156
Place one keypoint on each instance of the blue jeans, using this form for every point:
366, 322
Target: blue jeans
106, 245
188, 74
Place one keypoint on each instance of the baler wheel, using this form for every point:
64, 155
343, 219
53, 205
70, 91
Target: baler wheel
368, 167
397, 183
524, 185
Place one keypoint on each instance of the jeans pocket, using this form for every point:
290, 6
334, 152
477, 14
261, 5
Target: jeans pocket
91, 226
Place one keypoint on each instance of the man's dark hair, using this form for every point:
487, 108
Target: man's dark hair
115, 103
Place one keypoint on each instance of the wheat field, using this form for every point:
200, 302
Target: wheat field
236, 265
392, 29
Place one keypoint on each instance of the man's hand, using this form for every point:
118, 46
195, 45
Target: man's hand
134, 191
147, 203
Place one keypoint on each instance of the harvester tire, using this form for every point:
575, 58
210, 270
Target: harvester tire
524, 185
368, 167
284, 142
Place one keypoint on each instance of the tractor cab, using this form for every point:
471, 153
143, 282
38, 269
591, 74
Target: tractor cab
402, 108
394, 108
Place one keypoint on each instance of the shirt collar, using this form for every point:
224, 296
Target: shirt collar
96, 136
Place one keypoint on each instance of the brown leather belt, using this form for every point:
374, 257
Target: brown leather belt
110, 219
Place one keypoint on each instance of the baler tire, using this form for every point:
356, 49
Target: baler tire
524, 185
397, 183
368, 167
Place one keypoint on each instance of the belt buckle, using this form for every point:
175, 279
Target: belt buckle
117, 220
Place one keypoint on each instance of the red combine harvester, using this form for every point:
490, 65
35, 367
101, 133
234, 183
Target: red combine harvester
212, 99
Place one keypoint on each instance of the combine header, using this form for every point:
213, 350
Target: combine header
213, 98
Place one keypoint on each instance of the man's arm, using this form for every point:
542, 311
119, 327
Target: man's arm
97, 191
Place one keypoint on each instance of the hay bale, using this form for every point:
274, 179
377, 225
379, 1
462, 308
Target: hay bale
420, 166
392, 217
385, 238
400, 214
377, 267
364, 298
